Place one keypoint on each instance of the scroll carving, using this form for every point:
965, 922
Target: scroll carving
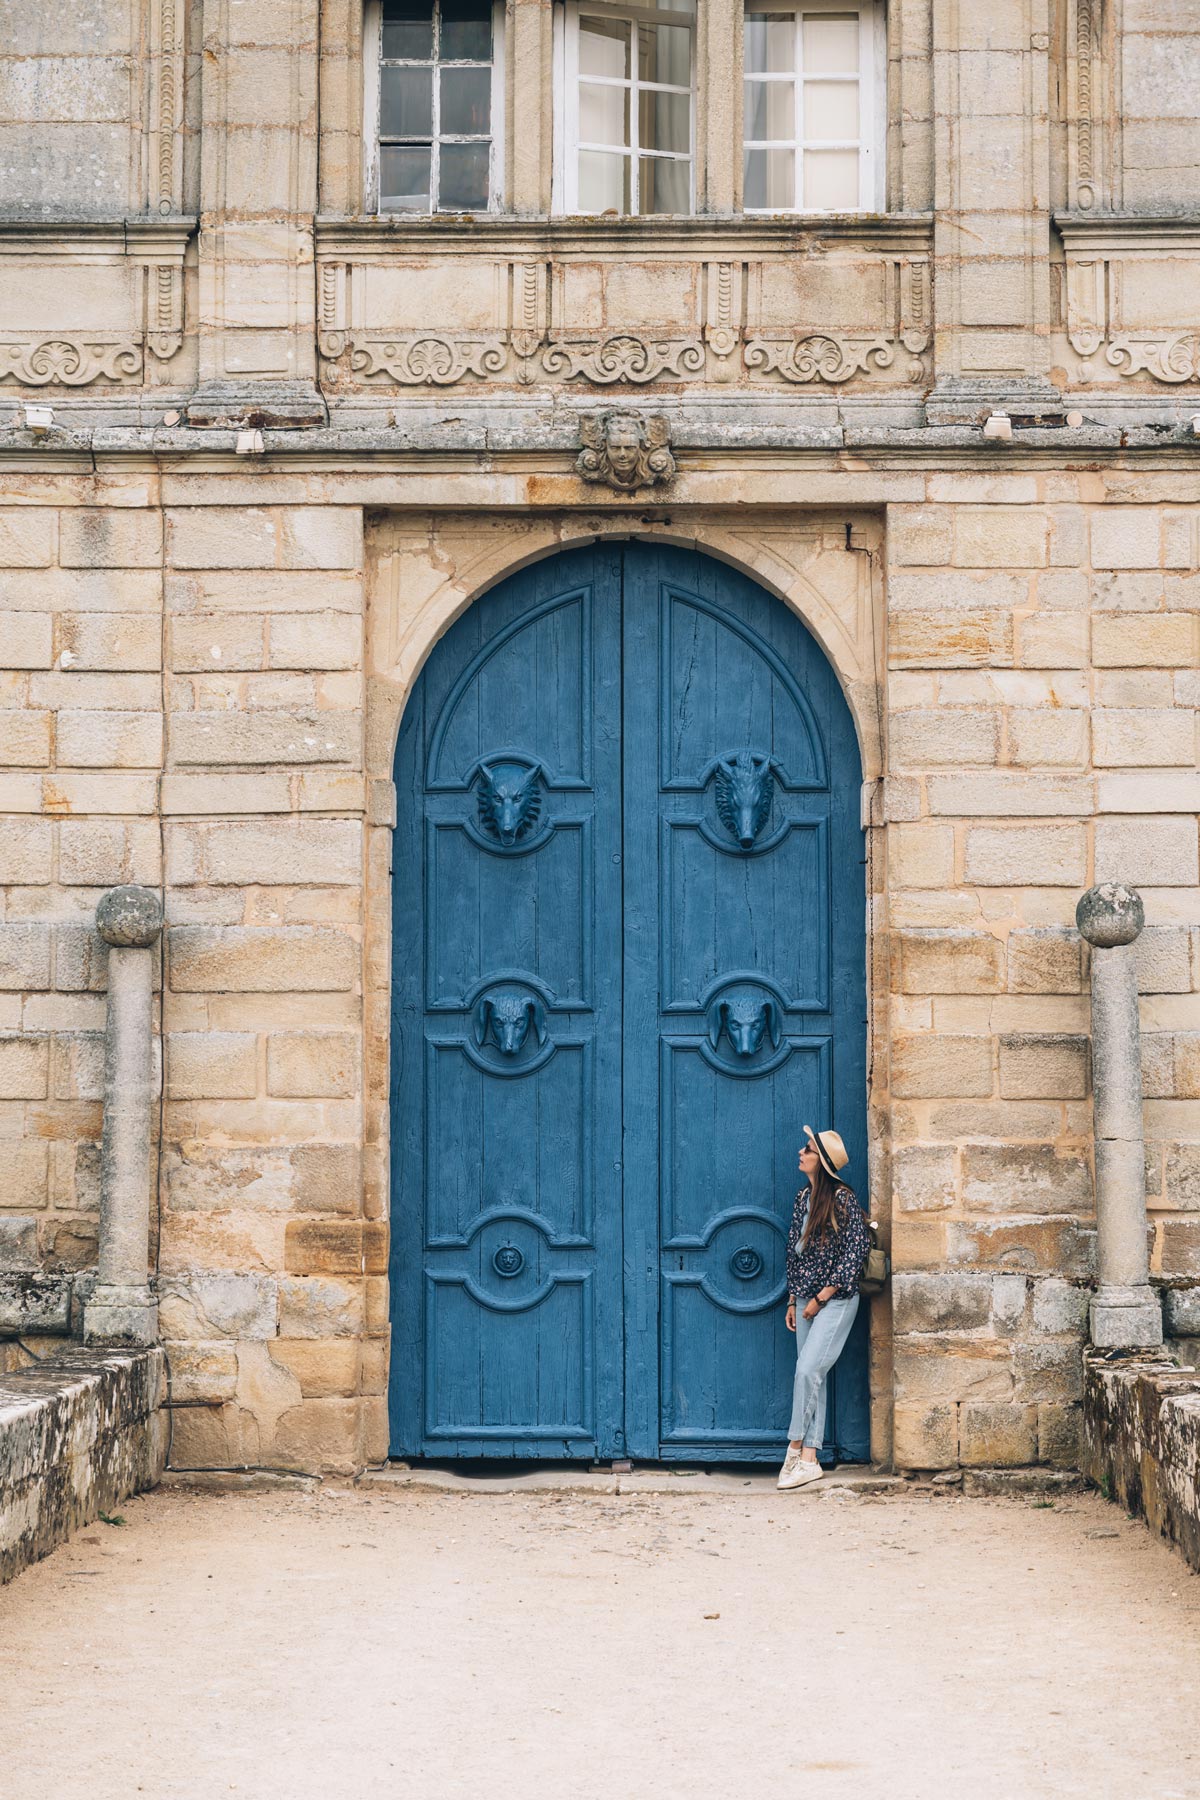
819, 357
1094, 328
624, 357
428, 360
70, 362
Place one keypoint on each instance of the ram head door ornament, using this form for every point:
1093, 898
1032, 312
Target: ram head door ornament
747, 1019
625, 450
506, 1019
510, 801
745, 786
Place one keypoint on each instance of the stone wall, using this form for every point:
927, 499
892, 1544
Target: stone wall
1142, 1442
80, 1431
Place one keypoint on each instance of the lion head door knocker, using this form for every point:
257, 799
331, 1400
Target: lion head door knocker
505, 1020
747, 1020
745, 788
510, 801
625, 450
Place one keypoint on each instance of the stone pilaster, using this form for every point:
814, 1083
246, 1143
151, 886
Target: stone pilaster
992, 198
258, 188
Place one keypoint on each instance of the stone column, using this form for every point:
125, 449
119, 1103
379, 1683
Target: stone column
122, 1309
1126, 1313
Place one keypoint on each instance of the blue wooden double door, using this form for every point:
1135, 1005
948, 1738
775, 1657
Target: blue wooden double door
628, 969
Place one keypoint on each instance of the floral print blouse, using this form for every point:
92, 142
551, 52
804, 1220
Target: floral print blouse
835, 1260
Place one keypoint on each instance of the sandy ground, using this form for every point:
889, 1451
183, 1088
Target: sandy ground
290, 1646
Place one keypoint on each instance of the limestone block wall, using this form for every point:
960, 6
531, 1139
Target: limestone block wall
204, 668
1044, 641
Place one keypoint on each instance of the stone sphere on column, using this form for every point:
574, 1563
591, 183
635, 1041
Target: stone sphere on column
1110, 915
130, 918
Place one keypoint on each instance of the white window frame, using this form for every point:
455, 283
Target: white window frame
872, 104
567, 143
372, 62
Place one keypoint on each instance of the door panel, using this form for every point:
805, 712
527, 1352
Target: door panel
628, 968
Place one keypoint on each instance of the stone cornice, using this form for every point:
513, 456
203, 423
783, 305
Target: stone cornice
148, 236
704, 235
1127, 233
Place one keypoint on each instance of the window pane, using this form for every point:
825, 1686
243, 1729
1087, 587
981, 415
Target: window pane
666, 187
603, 114
665, 121
665, 54
404, 177
770, 109
405, 102
830, 180
466, 31
830, 43
603, 182
408, 28
770, 43
463, 178
770, 180
831, 109
466, 102
604, 48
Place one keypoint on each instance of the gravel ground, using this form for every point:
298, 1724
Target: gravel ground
326, 1645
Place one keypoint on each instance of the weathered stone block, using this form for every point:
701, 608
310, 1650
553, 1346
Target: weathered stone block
1059, 1434
110, 740
1045, 962
1048, 1369
1143, 737
1060, 1307
323, 1367
950, 640
936, 737
218, 1303
265, 852
320, 1435
211, 1065
212, 739
202, 1373
24, 1068
26, 851
317, 1064
1143, 640
921, 856
925, 1437
323, 1246
1025, 1178
108, 853
951, 1302
923, 1177
320, 1306
24, 1173
94, 537
1027, 856
286, 959
111, 640
1043, 1066
1048, 737
328, 640
1000, 537
949, 962
24, 957
930, 1065
1164, 959
28, 537
1051, 1246
996, 1436
221, 537
1150, 852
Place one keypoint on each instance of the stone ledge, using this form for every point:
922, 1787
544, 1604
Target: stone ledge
1142, 1441
80, 1431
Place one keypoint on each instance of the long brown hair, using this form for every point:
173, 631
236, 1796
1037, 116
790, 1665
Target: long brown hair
822, 1208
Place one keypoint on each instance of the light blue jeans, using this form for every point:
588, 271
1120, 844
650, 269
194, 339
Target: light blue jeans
819, 1343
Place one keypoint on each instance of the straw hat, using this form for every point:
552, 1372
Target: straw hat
830, 1148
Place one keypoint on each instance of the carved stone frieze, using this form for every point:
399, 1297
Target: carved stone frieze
819, 357
625, 451
1167, 356
70, 361
164, 310
1095, 315
428, 359
623, 357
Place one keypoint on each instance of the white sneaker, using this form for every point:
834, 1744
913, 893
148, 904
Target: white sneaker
791, 1463
801, 1474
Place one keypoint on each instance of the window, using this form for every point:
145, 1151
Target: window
811, 109
627, 138
438, 95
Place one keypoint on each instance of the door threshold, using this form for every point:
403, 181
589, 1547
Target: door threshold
643, 1478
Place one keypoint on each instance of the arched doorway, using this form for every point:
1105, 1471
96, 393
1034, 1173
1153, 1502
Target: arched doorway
628, 967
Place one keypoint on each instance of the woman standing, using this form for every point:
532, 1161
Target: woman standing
826, 1250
